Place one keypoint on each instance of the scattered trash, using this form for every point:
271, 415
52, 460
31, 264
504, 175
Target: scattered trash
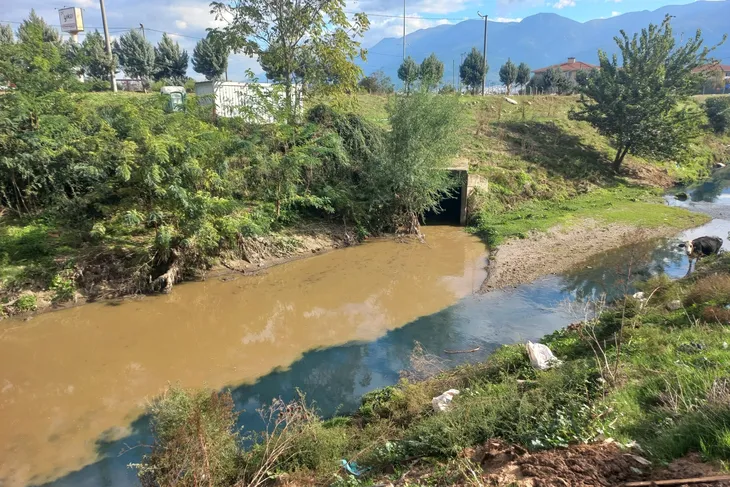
352, 468
541, 357
674, 305
510, 100
719, 165
443, 402
724, 345
640, 296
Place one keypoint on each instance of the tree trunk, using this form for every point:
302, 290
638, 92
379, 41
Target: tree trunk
619, 159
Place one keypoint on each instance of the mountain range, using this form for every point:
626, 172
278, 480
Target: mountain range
547, 38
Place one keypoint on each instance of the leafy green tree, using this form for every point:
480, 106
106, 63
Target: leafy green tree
472, 71
210, 57
171, 61
6, 34
508, 75
553, 80
408, 73
94, 61
718, 113
523, 75
431, 72
310, 39
136, 55
422, 142
639, 105
49, 34
35, 65
377, 83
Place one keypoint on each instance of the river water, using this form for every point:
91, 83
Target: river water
74, 383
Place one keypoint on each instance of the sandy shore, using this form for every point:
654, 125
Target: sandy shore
521, 261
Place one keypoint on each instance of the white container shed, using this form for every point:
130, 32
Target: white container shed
236, 99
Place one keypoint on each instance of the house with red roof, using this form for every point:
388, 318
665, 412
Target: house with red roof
570, 68
725, 68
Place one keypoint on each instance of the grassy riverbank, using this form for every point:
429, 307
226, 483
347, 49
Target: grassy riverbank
654, 372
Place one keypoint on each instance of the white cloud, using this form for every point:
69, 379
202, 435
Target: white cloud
507, 19
194, 15
614, 13
564, 3
614, 1
181, 24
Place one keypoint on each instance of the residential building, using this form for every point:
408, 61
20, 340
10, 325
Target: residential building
570, 68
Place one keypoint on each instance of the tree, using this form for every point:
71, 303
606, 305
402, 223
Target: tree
171, 62
523, 75
431, 72
423, 139
408, 73
93, 59
639, 106
472, 71
377, 83
553, 80
311, 41
210, 57
49, 34
6, 34
136, 55
508, 74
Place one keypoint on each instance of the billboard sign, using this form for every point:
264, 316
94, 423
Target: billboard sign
71, 19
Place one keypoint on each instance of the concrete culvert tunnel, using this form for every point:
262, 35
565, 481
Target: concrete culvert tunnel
453, 208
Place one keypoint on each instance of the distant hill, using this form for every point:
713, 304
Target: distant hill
545, 39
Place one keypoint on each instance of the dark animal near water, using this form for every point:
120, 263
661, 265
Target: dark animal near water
702, 247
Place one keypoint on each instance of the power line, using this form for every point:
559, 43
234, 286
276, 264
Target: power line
410, 17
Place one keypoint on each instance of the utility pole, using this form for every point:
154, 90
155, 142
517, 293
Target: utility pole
484, 76
108, 46
453, 73
141, 26
404, 30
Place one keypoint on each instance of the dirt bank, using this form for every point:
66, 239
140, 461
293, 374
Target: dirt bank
253, 255
523, 260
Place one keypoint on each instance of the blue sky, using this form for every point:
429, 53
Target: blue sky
190, 18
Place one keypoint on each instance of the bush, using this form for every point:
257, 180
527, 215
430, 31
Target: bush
63, 289
27, 302
713, 289
195, 439
718, 113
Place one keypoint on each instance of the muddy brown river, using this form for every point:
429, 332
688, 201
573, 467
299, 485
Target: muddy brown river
71, 378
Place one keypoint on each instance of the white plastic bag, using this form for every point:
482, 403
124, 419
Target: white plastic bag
541, 357
443, 402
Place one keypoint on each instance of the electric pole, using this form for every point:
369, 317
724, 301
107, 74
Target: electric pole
453, 73
484, 75
108, 47
141, 26
404, 30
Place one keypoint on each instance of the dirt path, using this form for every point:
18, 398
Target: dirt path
559, 249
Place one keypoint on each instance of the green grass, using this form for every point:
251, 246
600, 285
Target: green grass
622, 205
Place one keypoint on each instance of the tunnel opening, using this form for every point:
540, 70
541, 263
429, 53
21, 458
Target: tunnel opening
451, 210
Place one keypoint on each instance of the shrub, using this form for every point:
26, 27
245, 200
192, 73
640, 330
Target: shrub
714, 289
195, 439
63, 289
27, 302
718, 113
